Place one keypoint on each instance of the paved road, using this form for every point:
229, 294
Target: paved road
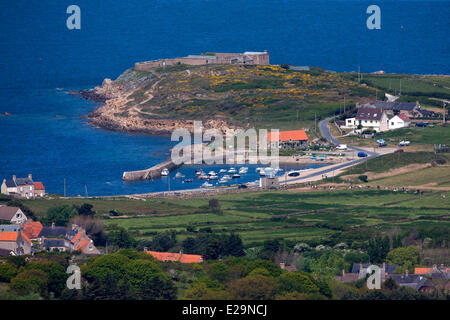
323, 126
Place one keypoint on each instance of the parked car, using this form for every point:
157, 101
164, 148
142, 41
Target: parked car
399, 150
341, 147
242, 186
421, 124
404, 143
362, 154
293, 174
381, 143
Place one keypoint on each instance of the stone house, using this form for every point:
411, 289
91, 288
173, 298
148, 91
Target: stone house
12, 215
19, 187
39, 190
16, 242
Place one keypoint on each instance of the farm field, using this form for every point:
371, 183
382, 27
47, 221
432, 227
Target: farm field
260, 216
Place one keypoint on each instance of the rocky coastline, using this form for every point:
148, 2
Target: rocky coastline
114, 97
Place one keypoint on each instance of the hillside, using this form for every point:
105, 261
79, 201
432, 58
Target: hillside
222, 96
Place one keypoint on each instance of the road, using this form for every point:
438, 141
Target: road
325, 131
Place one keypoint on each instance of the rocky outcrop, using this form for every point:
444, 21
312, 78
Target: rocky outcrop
117, 112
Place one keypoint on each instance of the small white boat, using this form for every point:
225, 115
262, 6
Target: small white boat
258, 169
232, 170
262, 173
213, 177
224, 180
236, 176
222, 171
212, 173
179, 175
203, 176
206, 185
243, 170
226, 177
198, 172
165, 172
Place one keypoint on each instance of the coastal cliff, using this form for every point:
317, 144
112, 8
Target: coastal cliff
161, 99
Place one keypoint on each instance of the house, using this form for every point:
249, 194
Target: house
348, 277
51, 232
392, 107
32, 229
291, 138
361, 269
65, 239
6, 253
16, 242
10, 227
39, 190
248, 57
269, 182
12, 215
399, 121
180, 257
434, 270
54, 245
369, 118
19, 187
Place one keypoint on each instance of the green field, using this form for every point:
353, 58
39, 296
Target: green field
395, 160
259, 216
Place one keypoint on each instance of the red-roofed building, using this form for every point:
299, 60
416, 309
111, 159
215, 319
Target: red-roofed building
39, 189
180, 257
287, 138
399, 121
15, 241
32, 229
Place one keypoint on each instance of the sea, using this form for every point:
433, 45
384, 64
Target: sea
41, 60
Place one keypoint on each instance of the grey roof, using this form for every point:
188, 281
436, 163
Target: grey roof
7, 213
408, 106
9, 227
426, 112
24, 182
205, 57
51, 243
415, 281
389, 268
53, 231
368, 113
5, 252
10, 183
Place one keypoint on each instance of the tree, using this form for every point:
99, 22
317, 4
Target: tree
60, 215
85, 209
94, 228
111, 265
120, 237
213, 249
297, 281
252, 288
214, 205
56, 274
30, 281
233, 246
7, 272
405, 257
200, 290
149, 281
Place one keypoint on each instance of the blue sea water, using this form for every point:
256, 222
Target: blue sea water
47, 136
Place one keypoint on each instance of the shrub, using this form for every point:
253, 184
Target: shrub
363, 178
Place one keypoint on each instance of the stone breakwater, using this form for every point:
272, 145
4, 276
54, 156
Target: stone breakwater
119, 113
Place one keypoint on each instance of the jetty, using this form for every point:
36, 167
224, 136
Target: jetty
151, 173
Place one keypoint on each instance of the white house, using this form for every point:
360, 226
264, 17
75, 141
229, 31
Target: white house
368, 118
399, 121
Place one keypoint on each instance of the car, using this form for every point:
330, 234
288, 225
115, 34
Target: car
341, 147
242, 186
421, 124
293, 174
362, 154
404, 143
399, 150
381, 143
